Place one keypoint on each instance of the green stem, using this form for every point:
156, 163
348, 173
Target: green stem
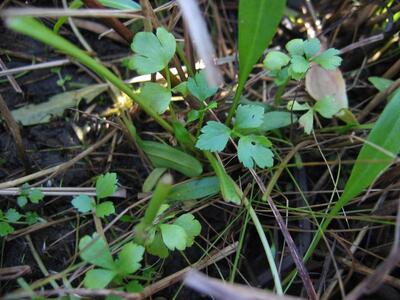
183, 57
235, 102
36, 30
279, 93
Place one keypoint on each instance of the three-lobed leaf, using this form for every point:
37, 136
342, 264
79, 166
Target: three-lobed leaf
106, 185
299, 64
191, 226
253, 149
311, 47
12, 215
199, 87
104, 209
83, 203
95, 250
35, 195
329, 59
129, 259
214, 136
152, 52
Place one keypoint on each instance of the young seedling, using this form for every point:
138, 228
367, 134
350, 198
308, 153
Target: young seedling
28, 194
106, 186
94, 250
62, 80
13, 217
252, 149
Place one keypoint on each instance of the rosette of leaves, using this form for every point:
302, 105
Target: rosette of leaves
253, 149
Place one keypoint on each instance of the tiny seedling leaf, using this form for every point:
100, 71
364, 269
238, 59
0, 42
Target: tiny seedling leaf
191, 226
157, 96
12, 215
295, 47
254, 149
98, 278
5, 229
35, 195
249, 116
307, 121
275, 60
31, 217
329, 59
311, 47
326, 107
106, 185
380, 83
174, 236
129, 259
22, 201
105, 209
134, 286
94, 250
214, 137
199, 87
152, 52
83, 203
299, 64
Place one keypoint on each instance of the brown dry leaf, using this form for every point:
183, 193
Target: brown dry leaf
321, 83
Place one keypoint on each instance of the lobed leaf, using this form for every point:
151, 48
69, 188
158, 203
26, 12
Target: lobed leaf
275, 60
98, 278
174, 236
199, 87
214, 137
326, 107
106, 185
129, 259
249, 116
94, 250
157, 96
83, 203
104, 209
254, 150
329, 59
191, 226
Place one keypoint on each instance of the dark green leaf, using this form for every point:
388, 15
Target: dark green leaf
104, 209
194, 189
157, 247
134, 286
193, 115
31, 217
152, 179
5, 229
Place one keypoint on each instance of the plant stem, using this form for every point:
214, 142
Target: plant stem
279, 93
235, 102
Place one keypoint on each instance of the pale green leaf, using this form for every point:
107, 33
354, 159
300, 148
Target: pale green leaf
299, 64
191, 226
5, 229
22, 201
152, 52
194, 189
12, 215
311, 47
95, 251
296, 106
106, 185
380, 83
327, 107
104, 209
254, 150
174, 236
121, 4
249, 116
307, 121
199, 87
277, 119
182, 89
157, 96
152, 179
295, 47
329, 59
83, 203
35, 195
275, 60
214, 137
129, 259
157, 247
98, 278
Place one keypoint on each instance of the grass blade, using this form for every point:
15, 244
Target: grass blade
258, 20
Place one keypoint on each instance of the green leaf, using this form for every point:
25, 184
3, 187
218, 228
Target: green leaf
311, 47
5, 229
275, 60
174, 236
194, 189
293, 74
157, 96
329, 59
254, 149
182, 89
120, 4
296, 106
165, 156
277, 119
33, 114
31, 217
182, 134
249, 116
129, 259
94, 250
157, 247
134, 286
282, 76
295, 47
214, 137
299, 64
106, 185
152, 53
105, 209
83, 203
22, 201
258, 20
35, 195
199, 87
307, 121
152, 179
380, 83
193, 115
327, 107
98, 278
12, 215
191, 226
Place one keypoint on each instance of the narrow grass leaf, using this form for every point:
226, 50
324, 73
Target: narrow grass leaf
380, 83
194, 189
152, 179
121, 4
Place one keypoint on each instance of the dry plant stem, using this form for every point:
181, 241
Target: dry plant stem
64, 191
12, 273
11, 79
372, 282
45, 65
62, 167
15, 132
